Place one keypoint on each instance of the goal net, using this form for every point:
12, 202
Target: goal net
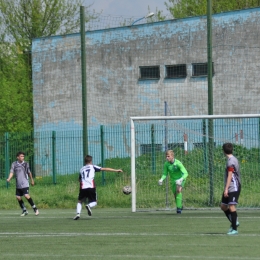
197, 142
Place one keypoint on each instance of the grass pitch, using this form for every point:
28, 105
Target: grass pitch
120, 234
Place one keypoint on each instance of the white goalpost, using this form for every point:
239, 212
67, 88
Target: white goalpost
197, 142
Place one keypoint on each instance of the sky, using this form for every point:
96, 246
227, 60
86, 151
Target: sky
127, 8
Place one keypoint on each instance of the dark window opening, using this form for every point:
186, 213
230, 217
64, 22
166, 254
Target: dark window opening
152, 72
176, 71
201, 69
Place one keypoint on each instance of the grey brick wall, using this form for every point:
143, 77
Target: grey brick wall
113, 59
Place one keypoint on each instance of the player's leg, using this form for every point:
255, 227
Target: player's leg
233, 201
19, 194
92, 200
233, 213
228, 205
230, 216
179, 197
224, 207
79, 208
81, 197
30, 200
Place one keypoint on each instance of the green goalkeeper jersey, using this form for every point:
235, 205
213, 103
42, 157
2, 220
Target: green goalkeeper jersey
175, 169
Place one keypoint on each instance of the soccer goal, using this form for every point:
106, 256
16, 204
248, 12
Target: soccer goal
197, 142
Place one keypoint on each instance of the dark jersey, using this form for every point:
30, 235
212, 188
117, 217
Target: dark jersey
233, 166
21, 172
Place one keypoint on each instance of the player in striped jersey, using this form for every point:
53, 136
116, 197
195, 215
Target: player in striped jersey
232, 188
87, 185
21, 170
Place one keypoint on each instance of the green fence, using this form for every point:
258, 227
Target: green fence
54, 154
10, 144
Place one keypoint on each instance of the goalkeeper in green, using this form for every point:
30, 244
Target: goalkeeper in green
178, 175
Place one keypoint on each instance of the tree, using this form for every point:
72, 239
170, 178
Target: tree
27, 19
15, 87
185, 8
20, 22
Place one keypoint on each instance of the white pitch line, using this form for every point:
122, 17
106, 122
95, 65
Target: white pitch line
42, 216
17, 234
136, 256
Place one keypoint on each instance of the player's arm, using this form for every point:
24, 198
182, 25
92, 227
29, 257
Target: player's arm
184, 174
111, 170
31, 178
184, 171
164, 175
229, 178
10, 176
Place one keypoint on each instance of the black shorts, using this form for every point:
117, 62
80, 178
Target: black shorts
22, 192
232, 198
89, 193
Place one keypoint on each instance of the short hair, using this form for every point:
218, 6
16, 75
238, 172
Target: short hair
19, 153
170, 152
88, 159
227, 148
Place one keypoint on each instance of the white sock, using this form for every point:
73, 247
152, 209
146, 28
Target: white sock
79, 207
92, 204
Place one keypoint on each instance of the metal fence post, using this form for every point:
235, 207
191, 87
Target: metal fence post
102, 153
153, 150
54, 157
7, 157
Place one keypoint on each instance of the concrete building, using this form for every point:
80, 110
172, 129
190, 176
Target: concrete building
139, 70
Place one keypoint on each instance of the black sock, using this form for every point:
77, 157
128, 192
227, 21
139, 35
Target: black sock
21, 204
234, 220
31, 203
228, 214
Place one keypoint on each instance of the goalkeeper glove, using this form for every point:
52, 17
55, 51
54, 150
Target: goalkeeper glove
160, 182
179, 181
